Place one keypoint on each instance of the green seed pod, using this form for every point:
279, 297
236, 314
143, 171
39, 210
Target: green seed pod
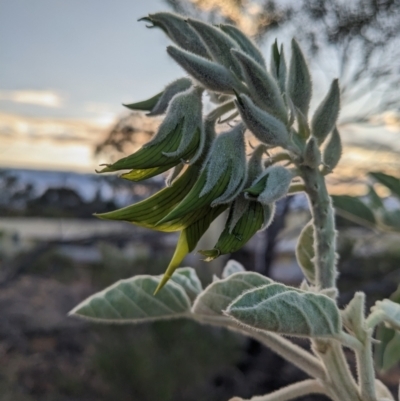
222, 177
325, 116
208, 73
262, 86
272, 185
178, 31
245, 43
299, 86
180, 136
333, 151
278, 66
312, 154
218, 44
265, 127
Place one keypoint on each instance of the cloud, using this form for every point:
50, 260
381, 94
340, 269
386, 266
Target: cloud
38, 98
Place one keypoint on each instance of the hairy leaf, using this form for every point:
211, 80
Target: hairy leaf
390, 311
219, 294
232, 267
287, 310
187, 278
132, 301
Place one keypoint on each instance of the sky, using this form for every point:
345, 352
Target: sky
67, 67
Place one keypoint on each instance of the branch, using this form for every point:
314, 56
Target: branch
291, 392
283, 347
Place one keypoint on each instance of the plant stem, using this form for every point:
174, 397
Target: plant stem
366, 374
283, 347
324, 226
291, 392
341, 379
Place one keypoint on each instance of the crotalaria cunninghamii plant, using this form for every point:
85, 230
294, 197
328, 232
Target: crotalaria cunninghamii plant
210, 174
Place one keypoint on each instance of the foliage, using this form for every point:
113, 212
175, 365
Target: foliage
211, 174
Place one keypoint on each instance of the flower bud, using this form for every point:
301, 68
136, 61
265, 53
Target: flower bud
245, 43
180, 136
267, 128
299, 85
209, 74
263, 88
222, 177
218, 44
180, 85
272, 185
325, 116
312, 154
332, 151
178, 31
243, 222
278, 66
158, 104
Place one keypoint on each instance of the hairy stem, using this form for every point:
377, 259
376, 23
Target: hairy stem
291, 392
340, 377
366, 373
324, 226
283, 347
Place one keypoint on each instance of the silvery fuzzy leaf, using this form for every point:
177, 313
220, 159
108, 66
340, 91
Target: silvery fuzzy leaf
325, 116
312, 155
132, 301
305, 252
287, 310
218, 44
390, 312
219, 294
178, 31
262, 86
180, 85
245, 43
265, 127
353, 314
209, 74
272, 185
232, 267
332, 151
299, 86
187, 278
